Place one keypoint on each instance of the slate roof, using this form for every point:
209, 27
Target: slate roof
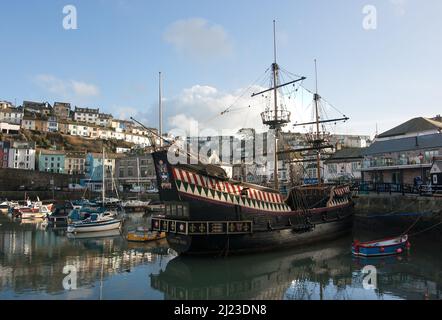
413, 126
429, 141
347, 154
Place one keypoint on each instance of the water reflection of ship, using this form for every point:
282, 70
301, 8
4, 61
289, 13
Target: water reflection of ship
33, 261
265, 276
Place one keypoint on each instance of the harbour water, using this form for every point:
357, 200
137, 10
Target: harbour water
42, 263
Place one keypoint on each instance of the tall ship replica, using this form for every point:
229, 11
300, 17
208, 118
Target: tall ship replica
208, 213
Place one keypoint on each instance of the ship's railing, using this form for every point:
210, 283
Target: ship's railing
378, 187
202, 227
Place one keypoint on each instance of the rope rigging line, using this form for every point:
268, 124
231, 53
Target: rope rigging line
425, 230
259, 79
242, 94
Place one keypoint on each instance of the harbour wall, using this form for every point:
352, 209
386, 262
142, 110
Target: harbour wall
61, 196
381, 204
12, 179
396, 213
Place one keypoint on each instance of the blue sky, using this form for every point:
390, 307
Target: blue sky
209, 51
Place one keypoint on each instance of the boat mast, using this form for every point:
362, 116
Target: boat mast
103, 172
278, 117
160, 106
138, 177
275, 84
318, 134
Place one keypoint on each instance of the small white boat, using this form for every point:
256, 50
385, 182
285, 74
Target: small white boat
39, 212
135, 205
96, 222
156, 206
7, 205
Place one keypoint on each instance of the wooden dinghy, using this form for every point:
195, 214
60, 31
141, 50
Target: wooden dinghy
383, 247
144, 235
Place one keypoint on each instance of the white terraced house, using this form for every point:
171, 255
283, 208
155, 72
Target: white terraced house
86, 115
11, 115
22, 156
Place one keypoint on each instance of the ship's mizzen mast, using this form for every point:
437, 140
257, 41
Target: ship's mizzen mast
279, 116
318, 133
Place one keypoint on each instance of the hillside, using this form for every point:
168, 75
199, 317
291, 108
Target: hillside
45, 140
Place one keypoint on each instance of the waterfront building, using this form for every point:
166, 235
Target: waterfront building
405, 153
104, 120
9, 128
4, 153
63, 126
41, 124
135, 170
344, 165
341, 141
93, 131
75, 163
62, 110
52, 124
121, 126
42, 108
139, 140
22, 155
105, 133
93, 170
28, 122
117, 135
6, 105
86, 115
138, 130
51, 161
11, 115
78, 128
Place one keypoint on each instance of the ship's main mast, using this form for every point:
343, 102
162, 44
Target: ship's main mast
279, 116
318, 133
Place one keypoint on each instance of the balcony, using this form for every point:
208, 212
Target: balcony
391, 163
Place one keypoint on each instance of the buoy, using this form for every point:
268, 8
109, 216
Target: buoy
408, 245
399, 250
382, 249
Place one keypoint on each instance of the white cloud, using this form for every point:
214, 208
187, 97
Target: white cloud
198, 38
66, 88
84, 89
52, 84
202, 106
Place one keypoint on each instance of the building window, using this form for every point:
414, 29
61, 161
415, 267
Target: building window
355, 166
332, 168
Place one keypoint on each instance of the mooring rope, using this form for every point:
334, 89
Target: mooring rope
425, 230
412, 226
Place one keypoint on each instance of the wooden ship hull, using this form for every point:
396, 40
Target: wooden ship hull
206, 213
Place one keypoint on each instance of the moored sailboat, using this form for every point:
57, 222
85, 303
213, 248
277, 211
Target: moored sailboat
93, 219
